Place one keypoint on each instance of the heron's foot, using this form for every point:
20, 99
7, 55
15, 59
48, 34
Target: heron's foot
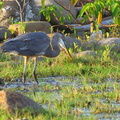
38, 83
35, 77
36, 80
23, 79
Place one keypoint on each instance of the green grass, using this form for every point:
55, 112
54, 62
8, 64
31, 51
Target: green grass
90, 68
95, 92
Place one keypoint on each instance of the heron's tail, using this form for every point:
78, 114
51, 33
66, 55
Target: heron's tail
2, 48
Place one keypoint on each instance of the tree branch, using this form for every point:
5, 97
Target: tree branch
66, 10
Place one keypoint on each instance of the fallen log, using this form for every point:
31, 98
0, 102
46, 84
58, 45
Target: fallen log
82, 28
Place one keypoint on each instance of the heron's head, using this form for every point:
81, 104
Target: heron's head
62, 44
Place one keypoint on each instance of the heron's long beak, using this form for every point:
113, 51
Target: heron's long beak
62, 44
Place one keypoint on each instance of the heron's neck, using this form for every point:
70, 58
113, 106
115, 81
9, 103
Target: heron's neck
52, 51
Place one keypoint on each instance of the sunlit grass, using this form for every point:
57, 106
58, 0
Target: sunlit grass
92, 68
96, 91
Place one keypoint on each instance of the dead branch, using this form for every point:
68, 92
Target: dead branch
67, 9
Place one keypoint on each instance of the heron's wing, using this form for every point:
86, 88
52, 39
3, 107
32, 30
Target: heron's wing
28, 44
38, 42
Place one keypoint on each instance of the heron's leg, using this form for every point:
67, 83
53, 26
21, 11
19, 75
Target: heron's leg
24, 71
34, 70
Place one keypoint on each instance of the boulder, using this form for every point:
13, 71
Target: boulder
11, 101
93, 40
109, 41
86, 53
65, 3
19, 29
113, 43
9, 13
72, 42
96, 35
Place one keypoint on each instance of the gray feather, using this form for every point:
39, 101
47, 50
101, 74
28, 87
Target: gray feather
28, 44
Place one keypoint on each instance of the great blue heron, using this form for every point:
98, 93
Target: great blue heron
33, 45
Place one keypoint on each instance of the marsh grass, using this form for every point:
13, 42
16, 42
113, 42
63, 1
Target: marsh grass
94, 91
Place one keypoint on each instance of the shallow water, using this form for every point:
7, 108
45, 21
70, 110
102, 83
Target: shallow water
64, 81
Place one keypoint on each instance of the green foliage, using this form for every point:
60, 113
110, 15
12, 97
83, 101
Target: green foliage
12, 20
106, 52
69, 17
1, 3
22, 26
5, 35
47, 11
99, 5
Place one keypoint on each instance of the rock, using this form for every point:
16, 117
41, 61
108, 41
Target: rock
93, 40
89, 45
11, 101
10, 12
80, 20
19, 29
72, 42
113, 43
86, 53
96, 35
109, 41
78, 9
65, 3
2, 81
4, 33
